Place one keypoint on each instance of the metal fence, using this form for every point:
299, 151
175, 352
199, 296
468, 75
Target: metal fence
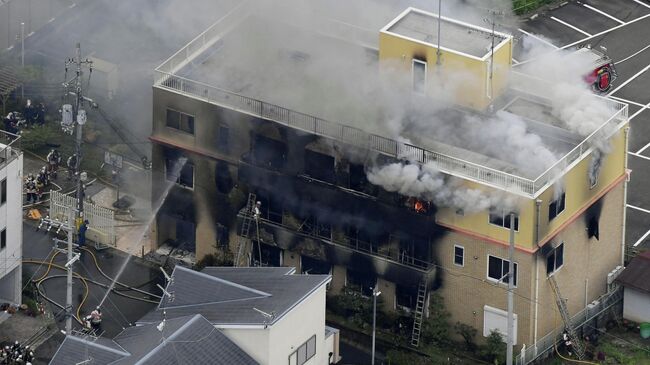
99, 218
166, 78
546, 344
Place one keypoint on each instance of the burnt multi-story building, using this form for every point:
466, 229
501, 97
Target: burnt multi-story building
279, 111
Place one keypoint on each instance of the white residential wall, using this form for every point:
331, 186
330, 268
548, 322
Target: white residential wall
636, 305
11, 220
254, 341
304, 321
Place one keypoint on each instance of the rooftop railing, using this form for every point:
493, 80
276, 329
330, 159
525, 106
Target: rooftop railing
166, 78
10, 147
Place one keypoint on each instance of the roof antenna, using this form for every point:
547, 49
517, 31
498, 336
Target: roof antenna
165, 292
167, 277
269, 316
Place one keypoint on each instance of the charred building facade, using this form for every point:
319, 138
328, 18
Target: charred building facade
342, 193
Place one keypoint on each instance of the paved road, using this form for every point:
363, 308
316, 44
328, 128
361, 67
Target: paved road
621, 26
37, 246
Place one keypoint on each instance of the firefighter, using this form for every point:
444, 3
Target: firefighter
42, 181
72, 166
53, 162
257, 210
567, 342
29, 112
93, 321
83, 227
30, 189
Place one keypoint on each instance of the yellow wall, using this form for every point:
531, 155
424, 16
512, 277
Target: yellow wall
465, 78
576, 185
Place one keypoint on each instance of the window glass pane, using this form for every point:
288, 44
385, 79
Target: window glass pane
458, 255
515, 278
3, 192
311, 347
302, 354
561, 203
222, 140
496, 218
506, 221
187, 123
495, 268
552, 210
173, 118
187, 175
3, 239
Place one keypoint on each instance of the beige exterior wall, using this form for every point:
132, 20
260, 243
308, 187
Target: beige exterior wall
388, 298
339, 274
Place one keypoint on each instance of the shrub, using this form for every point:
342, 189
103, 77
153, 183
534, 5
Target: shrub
396, 357
468, 333
494, 350
435, 328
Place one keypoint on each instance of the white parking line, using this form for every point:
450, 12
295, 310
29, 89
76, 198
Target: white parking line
632, 55
641, 239
603, 13
539, 38
605, 31
630, 79
639, 112
639, 209
626, 101
639, 156
642, 3
515, 61
571, 26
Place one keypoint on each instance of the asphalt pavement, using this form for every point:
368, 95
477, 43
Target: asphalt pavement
622, 28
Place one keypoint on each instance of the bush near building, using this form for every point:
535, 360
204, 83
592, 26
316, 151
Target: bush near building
526, 6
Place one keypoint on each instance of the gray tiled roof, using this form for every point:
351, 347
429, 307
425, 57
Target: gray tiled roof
184, 340
213, 294
74, 349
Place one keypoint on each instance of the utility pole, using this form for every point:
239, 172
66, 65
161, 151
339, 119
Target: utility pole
375, 294
511, 287
78, 117
438, 61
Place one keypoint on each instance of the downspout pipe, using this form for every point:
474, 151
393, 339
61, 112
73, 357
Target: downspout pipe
538, 204
627, 141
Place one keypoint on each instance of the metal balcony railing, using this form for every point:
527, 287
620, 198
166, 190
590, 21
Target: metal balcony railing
166, 78
10, 147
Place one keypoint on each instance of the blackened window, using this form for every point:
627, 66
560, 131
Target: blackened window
223, 138
3, 239
555, 259
3, 191
406, 296
320, 166
181, 171
459, 255
271, 206
312, 266
361, 282
269, 152
592, 227
501, 218
556, 207
498, 269
181, 121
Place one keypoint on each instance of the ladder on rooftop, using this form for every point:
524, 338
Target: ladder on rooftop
576, 343
419, 312
244, 246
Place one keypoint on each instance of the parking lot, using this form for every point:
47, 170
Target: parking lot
622, 28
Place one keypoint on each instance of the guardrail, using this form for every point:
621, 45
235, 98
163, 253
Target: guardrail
166, 78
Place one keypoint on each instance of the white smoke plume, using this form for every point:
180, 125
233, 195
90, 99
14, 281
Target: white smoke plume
426, 182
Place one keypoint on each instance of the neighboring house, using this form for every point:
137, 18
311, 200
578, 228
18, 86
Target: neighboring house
270, 313
302, 146
11, 226
179, 341
636, 293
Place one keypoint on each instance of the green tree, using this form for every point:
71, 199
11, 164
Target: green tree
494, 350
468, 333
435, 328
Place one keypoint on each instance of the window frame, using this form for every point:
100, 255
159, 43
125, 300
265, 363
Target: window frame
223, 138
462, 264
179, 127
503, 219
555, 256
561, 199
501, 281
307, 356
424, 83
3, 239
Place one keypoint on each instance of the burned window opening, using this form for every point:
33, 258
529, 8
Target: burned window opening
413, 251
320, 166
556, 207
271, 208
180, 121
363, 240
501, 218
360, 282
269, 152
223, 137
359, 180
184, 177
406, 296
498, 270
592, 228
312, 266
223, 178
271, 255
221, 235
555, 259
312, 226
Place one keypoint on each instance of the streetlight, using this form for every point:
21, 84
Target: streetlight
375, 294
